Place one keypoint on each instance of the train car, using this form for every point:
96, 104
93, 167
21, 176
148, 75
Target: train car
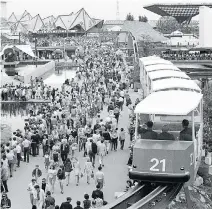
150, 65
171, 97
169, 160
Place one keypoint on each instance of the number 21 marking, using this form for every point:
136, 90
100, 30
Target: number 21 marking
153, 168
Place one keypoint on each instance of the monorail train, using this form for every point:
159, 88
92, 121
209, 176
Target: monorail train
170, 96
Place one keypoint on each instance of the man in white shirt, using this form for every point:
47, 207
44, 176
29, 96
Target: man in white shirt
102, 152
96, 136
18, 150
14, 142
26, 145
38, 197
31, 189
10, 157
88, 145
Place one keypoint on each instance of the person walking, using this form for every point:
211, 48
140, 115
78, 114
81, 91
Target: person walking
93, 152
4, 178
101, 152
38, 197
45, 186
18, 150
64, 150
86, 202
49, 200
114, 139
5, 201
10, 158
107, 139
68, 169
52, 177
122, 138
31, 189
67, 204
37, 173
77, 171
78, 205
97, 193
88, 170
61, 177
99, 177
46, 160
26, 145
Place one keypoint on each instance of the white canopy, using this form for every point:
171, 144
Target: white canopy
149, 58
156, 61
169, 103
174, 83
167, 73
161, 66
26, 48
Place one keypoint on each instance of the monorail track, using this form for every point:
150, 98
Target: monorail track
145, 196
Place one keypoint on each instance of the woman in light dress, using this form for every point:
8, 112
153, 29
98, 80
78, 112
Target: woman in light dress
52, 173
88, 170
77, 170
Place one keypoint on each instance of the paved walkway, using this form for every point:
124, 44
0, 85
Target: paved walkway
115, 174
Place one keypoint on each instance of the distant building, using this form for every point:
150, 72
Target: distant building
182, 12
177, 38
205, 26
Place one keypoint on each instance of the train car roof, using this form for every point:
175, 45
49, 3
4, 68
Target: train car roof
156, 61
173, 102
174, 83
149, 58
167, 73
161, 66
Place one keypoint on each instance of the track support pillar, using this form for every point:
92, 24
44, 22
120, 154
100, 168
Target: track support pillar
188, 198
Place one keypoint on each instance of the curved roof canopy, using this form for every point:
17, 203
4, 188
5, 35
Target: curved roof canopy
162, 66
167, 74
169, 103
156, 61
181, 12
171, 83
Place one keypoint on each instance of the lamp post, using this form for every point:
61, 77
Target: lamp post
36, 54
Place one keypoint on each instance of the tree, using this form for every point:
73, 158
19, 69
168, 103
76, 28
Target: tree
142, 18
167, 24
130, 17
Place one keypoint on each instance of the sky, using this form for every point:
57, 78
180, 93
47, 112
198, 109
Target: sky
100, 9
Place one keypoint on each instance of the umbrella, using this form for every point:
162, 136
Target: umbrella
58, 51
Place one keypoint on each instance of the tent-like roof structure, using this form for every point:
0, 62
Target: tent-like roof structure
33, 25
64, 21
169, 103
140, 30
49, 23
12, 19
80, 19
181, 12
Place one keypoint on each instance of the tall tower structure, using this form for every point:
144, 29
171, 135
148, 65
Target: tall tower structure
117, 10
3, 10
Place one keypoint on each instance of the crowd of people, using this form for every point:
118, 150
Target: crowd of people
187, 56
69, 124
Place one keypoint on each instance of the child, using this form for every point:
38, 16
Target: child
47, 161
